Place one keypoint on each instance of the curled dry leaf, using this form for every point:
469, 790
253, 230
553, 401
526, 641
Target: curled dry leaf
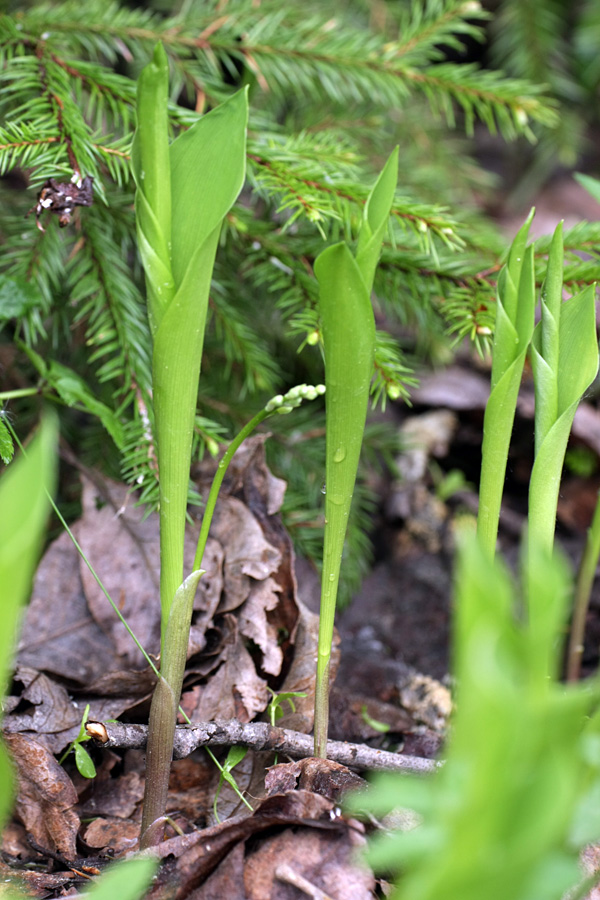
196, 855
247, 554
254, 623
45, 709
234, 690
308, 858
321, 776
301, 675
59, 634
45, 796
121, 835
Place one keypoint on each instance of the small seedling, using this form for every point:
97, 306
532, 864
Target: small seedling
274, 709
375, 724
233, 758
447, 484
83, 760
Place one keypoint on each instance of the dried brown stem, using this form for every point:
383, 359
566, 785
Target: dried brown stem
259, 736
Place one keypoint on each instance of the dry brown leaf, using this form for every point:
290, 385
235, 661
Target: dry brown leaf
14, 841
49, 708
247, 553
254, 624
227, 881
59, 634
191, 787
320, 858
113, 797
121, 835
53, 716
45, 796
247, 466
234, 691
321, 776
124, 550
196, 855
350, 714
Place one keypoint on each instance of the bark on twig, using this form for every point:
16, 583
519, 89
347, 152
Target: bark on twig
259, 736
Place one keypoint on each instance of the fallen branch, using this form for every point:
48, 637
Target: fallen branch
258, 736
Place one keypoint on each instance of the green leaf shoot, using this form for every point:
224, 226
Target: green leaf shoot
234, 756
501, 816
348, 329
184, 191
565, 362
512, 336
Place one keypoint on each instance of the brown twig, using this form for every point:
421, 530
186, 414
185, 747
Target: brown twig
258, 736
287, 874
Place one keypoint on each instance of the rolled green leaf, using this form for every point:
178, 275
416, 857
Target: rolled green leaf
184, 191
348, 329
151, 167
512, 335
565, 362
547, 339
163, 711
207, 174
375, 220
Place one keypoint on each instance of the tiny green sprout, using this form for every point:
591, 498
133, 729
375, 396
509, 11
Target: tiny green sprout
83, 760
274, 708
312, 339
393, 391
521, 116
447, 484
235, 756
375, 724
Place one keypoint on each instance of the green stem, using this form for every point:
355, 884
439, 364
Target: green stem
163, 711
583, 589
211, 501
322, 703
20, 392
159, 753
